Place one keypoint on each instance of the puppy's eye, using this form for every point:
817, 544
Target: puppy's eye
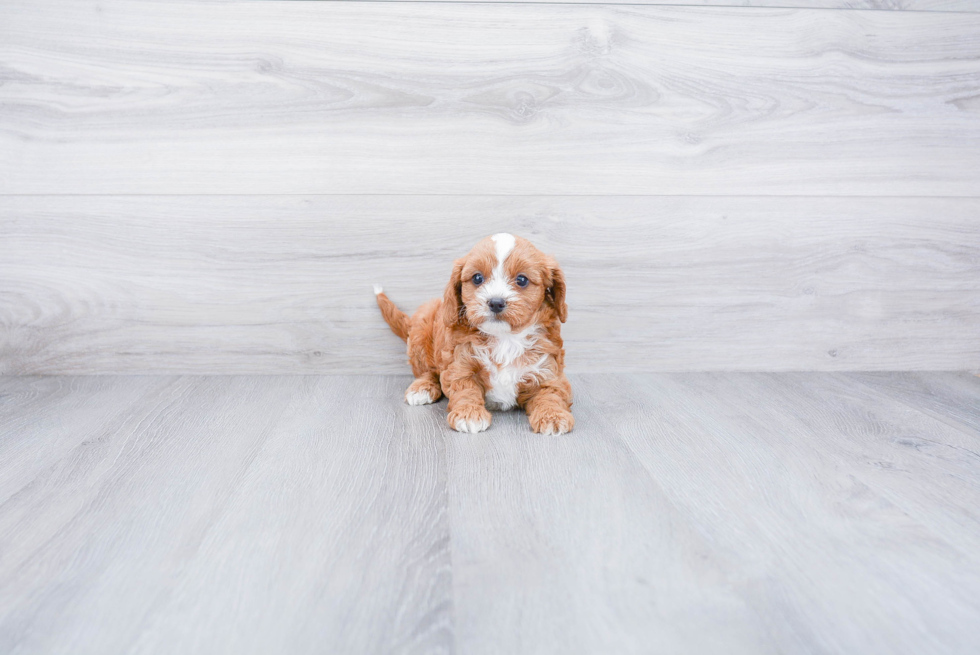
477, 279
522, 281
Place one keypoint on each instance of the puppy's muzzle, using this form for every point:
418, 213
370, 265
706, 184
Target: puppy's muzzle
496, 305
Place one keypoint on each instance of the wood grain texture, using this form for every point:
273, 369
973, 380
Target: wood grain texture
283, 284
568, 545
687, 513
913, 461
220, 515
884, 5
323, 97
948, 398
778, 472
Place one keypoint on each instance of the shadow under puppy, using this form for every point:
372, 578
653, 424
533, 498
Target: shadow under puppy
494, 340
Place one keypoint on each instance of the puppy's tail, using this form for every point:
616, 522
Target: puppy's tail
394, 317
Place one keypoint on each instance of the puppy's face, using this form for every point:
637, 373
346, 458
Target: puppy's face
502, 285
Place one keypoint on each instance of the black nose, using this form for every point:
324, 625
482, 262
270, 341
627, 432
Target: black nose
496, 305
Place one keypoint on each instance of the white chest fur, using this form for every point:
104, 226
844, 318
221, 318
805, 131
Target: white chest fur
510, 358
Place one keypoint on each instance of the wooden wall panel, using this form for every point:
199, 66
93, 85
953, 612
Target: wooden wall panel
254, 284
884, 5
433, 98
830, 162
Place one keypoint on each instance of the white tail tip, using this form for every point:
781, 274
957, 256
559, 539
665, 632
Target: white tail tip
377, 289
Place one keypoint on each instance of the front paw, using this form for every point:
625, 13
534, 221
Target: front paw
473, 418
423, 392
552, 421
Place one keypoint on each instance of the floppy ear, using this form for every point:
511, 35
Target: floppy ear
452, 302
556, 292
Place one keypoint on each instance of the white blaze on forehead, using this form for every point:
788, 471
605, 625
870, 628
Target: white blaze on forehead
498, 286
505, 243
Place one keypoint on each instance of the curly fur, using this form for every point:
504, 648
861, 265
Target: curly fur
459, 348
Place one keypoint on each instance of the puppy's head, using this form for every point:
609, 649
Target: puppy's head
504, 284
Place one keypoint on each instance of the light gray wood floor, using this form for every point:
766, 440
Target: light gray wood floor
687, 513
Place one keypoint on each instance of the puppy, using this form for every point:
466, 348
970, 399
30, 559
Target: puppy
494, 340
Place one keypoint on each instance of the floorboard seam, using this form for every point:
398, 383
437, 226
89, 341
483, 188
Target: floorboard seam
925, 411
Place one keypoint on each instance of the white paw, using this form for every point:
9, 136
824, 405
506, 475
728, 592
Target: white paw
377, 289
555, 430
418, 398
472, 427
552, 422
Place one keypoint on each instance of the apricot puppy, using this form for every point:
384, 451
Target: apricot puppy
494, 340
